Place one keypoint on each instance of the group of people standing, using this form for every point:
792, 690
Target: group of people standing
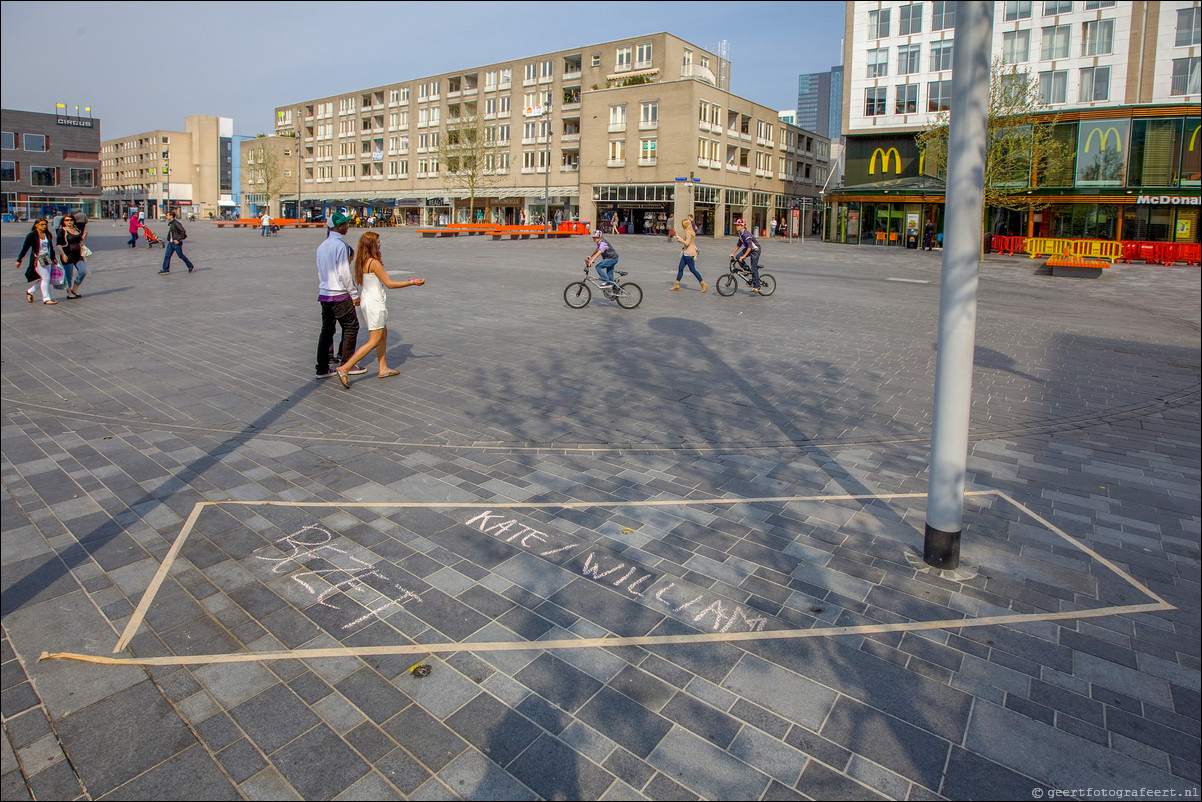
344, 286
63, 249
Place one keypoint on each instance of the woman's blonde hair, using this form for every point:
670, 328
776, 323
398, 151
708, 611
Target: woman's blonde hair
369, 248
688, 221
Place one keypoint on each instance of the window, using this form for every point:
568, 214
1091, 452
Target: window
1017, 9
1189, 26
490, 80
939, 95
531, 73
8, 141
1016, 46
1097, 38
1051, 7
546, 69
1185, 76
617, 116
503, 106
909, 19
34, 143
878, 24
43, 176
908, 59
907, 99
622, 58
944, 16
874, 101
643, 55
647, 152
1055, 42
1053, 86
878, 62
649, 114
1094, 5
1154, 148
83, 177
596, 59
617, 151
941, 56
1095, 84
8, 171
506, 77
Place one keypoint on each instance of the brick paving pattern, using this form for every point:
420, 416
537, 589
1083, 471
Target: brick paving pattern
540, 475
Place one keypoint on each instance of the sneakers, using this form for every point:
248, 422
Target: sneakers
326, 375
163, 272
357, 370
755, 290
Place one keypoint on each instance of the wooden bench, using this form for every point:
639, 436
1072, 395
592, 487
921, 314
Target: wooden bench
472, 228
1076, 266
241, 222
524, 232
439, 232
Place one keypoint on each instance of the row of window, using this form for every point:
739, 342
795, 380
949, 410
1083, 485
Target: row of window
78, 177
909, 59
1093, 85
31, 143
909, 19
1097, 39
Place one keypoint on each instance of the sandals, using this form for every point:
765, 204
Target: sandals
390, 374
46, 302
342, 378
29, 296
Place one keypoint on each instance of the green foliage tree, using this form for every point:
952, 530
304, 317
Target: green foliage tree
1024, 151
265, 169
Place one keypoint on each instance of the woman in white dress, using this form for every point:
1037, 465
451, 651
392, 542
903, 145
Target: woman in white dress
372, 279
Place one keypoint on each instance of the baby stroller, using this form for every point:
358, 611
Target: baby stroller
151, 239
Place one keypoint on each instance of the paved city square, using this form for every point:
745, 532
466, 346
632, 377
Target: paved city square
661, 553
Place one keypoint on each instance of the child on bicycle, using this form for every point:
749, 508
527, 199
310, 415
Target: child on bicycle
605, 258
748, 245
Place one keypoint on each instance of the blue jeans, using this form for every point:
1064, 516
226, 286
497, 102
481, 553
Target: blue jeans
265, 231
173, 248
78, 269
605, 269
691, 264
133, 239
755, 268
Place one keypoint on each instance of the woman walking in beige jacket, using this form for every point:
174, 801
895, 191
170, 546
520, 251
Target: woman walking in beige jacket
688, 255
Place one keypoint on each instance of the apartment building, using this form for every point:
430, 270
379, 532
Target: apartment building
638, 128
1120, 81
49, 163
193, 170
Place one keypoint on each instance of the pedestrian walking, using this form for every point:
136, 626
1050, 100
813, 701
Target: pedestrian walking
39, 245
176, 234
928, 235
671, 231
338, 295
371, 278
688, 255
265, 225
70, 249
134, 225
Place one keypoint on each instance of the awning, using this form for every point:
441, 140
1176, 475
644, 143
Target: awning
619, 75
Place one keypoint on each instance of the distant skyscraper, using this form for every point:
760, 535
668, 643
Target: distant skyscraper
836, 104
814, 102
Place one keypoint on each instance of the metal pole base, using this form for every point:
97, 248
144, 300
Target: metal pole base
941, 549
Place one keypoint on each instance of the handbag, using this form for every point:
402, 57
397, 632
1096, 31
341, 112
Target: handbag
85, 251
57, 277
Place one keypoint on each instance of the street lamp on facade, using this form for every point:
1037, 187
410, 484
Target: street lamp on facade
166, 183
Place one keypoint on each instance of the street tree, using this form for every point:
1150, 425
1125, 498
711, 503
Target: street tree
265, 168
1025, 150
470, 155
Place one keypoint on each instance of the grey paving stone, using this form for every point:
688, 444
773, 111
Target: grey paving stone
319, 763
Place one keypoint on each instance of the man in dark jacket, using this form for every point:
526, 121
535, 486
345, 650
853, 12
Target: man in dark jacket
175, 244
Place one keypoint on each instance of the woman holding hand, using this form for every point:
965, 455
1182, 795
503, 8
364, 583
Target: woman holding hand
372, 279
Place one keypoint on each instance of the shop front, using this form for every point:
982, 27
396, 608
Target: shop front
736, 208
705, 208
637, 208
408, 211
436, 212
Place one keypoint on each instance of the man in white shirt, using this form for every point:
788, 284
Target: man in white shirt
338, 295
266, 224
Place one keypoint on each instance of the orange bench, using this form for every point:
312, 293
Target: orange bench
1076, 266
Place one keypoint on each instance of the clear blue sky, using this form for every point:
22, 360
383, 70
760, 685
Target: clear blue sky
144, 66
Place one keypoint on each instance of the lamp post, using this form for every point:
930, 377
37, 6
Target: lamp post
547, 172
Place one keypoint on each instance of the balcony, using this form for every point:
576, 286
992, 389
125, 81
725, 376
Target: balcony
647, 162
569, 138
699, 72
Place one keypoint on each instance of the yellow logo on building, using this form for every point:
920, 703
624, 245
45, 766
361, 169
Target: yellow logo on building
1194, 137
1102, 137
885, 161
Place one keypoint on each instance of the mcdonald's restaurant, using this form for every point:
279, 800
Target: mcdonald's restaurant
1136, 174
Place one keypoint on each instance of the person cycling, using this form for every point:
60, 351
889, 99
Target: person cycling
748, 245
605, 258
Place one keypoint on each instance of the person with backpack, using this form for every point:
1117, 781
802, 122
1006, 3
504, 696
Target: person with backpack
176, 234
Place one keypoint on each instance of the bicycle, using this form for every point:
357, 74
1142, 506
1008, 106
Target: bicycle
728, 282
627, 294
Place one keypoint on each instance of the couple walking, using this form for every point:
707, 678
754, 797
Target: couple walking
341, 289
